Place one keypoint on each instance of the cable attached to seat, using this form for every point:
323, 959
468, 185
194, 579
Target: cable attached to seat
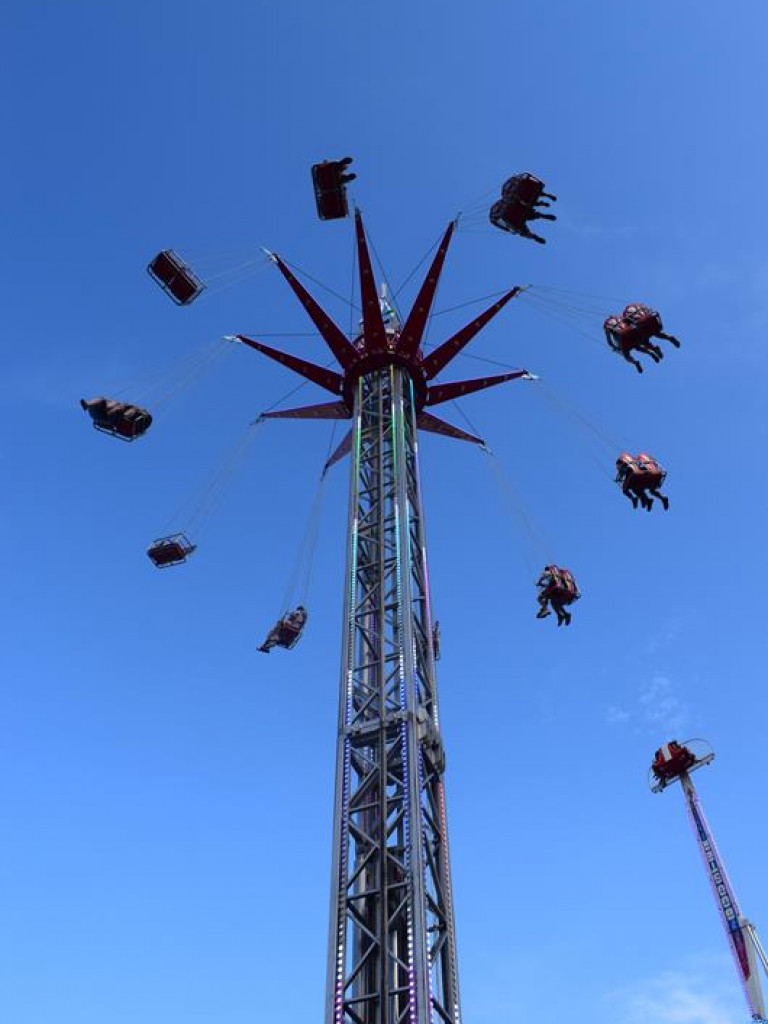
301, 574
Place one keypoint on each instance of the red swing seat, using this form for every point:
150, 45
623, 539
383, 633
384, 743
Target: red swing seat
173, 550
645, 319
525, 187
330, 186
175, 277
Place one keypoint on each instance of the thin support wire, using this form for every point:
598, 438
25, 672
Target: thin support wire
320, 284
301, 573
352, 331
416, 269
191, 510
534, 539
386, 279
531, 300
471, 302
288, 394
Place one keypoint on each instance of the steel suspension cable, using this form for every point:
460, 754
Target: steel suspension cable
238, 268
352, 331
317, 518
558, 402
474, 302
569, 307
320, 284
301, 573
535, 540
421, 262
194, 374
213, 494
578, 293
528, 298
193, 508
468, 208
383, 272
173, 377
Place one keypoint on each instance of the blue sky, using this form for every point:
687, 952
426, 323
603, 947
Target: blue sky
166, 793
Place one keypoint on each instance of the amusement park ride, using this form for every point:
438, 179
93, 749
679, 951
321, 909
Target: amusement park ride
392, 945
674, 762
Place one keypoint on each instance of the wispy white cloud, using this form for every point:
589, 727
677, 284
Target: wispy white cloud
657, 709
677, 624
662, 707
677, 997
616, 716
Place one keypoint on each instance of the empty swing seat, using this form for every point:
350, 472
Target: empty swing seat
171, 550
175, 277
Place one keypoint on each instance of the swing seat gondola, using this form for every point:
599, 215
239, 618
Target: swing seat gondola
562, 585
119, 419
525, 187
509, 215
642, 470
623, 334
330, 180
287, 631
175, 277
288, 636
646, 320
173, 550
651, 470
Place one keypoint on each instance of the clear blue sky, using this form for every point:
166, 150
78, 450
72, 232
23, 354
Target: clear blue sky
166, 792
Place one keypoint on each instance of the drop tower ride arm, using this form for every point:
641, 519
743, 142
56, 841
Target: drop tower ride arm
742, 937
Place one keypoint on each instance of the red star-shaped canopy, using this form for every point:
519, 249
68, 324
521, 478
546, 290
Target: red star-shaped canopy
380, 345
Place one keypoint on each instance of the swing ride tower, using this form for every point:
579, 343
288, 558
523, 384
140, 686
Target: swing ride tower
392, 943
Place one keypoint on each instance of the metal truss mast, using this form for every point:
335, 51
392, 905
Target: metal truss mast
392, 942
392, 946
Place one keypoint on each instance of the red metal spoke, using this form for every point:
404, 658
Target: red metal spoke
413, 331
433, 425
344, 448
326, 411
440, 358
446, 392
334, 338
317, 374
374, 331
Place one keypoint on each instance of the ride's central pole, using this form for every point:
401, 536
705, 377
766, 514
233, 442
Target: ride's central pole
392, 949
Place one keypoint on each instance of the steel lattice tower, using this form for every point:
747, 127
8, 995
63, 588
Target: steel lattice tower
392, 945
